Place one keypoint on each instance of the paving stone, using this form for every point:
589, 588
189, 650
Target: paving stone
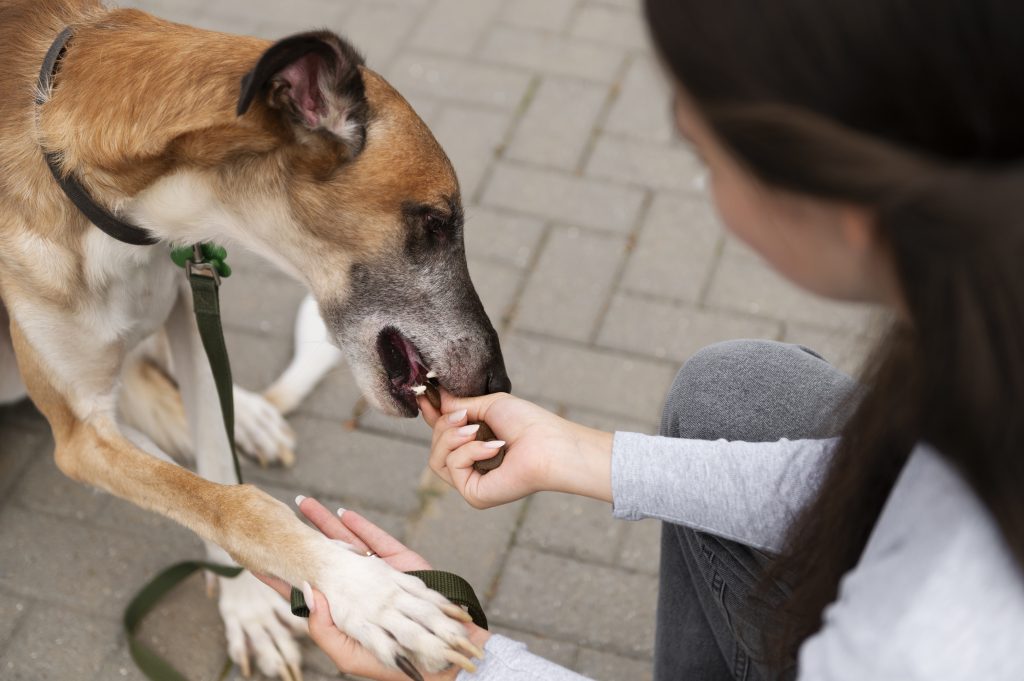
20, 445
44, 488
676, 249
471, 137
93, 568
611, 26
643, 106
602, 666
455, 26
334, 398
559, 652
550, 15
406, 430
12, 610
642, 546
262, 304
846, 350
551, 596
556, 127
576, 527
745, 284
367, 468
378, 31
256, 359
501, 236
664, 330
545, 52
460, 80
573, 375
497, 286
58, 645
658, 166
456, 537
574, 276
563, 198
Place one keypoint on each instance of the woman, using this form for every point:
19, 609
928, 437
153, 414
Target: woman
814, 529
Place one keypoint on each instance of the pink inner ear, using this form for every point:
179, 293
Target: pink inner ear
303, 76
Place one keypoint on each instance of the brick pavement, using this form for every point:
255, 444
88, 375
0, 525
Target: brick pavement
593, 247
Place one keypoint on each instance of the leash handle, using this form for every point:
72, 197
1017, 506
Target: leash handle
448, 584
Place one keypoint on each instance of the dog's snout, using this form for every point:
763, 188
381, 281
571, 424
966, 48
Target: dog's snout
497, 379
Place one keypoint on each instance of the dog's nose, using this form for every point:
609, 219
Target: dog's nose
497, 380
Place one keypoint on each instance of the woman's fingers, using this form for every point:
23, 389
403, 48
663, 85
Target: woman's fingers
328, 523
427, 411
378, 541
475, 406
443, 443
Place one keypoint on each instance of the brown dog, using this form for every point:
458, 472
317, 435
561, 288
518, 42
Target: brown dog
314, 162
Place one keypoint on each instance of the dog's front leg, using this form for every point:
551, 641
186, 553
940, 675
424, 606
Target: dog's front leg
251, 611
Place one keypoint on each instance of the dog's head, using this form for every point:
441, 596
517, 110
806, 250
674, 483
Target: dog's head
360, 201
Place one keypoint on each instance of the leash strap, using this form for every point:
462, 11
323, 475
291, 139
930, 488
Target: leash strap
448, 584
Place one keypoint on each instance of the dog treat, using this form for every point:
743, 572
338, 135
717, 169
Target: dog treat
484, 434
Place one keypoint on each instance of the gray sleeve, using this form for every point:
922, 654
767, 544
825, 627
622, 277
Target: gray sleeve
745, 491
509, 660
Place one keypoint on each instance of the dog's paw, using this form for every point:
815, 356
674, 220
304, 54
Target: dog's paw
260, 626
394, 615
261, 432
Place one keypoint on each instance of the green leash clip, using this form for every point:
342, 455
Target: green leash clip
212, 253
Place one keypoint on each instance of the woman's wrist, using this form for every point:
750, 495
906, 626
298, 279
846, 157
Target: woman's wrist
587, 471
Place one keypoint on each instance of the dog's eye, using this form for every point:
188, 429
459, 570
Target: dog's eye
435, 226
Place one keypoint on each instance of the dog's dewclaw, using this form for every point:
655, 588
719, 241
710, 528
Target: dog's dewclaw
485, 434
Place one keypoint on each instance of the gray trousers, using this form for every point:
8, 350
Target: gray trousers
754, 391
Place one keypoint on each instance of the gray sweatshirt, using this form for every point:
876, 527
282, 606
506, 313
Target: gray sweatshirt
936, 594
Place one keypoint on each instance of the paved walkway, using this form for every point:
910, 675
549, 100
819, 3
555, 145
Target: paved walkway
593, 247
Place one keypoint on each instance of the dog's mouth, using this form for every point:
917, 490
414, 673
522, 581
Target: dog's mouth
404, 365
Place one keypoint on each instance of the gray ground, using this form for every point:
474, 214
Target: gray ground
596, 254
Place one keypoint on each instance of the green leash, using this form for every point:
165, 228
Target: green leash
204, 266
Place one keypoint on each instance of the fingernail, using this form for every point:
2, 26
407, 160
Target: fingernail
456, 416
466, 431
494, 444
307, 593
341, 512
299, 499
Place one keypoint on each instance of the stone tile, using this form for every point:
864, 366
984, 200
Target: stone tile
44, 488
363, 467
676, 249
334, 398
497, 286
641, 549
90, 568
471, 136
576, 527
845, 349
745, 284
664, 330
458, 79
501, 236
256, 359
406, 430
456, 537
549, 15
559, 652
657, 166
611, 26
563, 198
21, 445
378, 31
59, 646
569, 374
544, 52
12, 610
643, 106
551, 596
455, 26
603, 666
557, 126
574, 276
261, 304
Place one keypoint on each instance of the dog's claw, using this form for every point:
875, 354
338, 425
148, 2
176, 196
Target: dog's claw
245, 668
407, 667
470, 647
456, 613
460, 660
288, 672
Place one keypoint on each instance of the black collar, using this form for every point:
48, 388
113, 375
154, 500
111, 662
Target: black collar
97, 214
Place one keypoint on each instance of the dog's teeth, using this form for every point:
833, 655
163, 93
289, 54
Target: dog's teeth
419, 389
431, 374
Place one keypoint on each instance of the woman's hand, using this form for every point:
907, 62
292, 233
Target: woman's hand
345, 652
544, 452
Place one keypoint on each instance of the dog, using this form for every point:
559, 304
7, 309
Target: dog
294, 151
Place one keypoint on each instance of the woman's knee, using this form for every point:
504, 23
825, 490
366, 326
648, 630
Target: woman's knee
754, 390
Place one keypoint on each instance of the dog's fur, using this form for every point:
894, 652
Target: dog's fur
328, 173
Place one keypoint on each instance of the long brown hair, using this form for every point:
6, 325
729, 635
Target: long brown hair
914, 109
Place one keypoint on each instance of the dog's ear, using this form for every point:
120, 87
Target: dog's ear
314, 79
